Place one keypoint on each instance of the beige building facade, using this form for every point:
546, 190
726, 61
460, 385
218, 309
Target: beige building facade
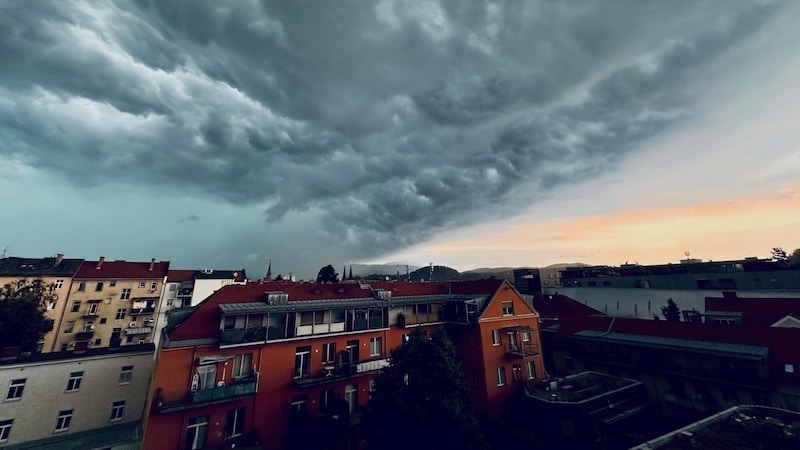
57, 400
112, 303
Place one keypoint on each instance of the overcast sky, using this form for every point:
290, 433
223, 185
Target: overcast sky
467, 133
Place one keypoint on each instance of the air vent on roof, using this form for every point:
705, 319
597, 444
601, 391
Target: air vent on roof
383, 294
207, 271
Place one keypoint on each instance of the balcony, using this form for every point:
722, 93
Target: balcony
407, 320
143, 311
254, 335
521, 351
339, 371
173, 401
135, 331
84, 335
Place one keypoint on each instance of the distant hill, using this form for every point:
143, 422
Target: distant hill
361, 270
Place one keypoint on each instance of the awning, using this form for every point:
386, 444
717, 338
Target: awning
519, 328
213, 359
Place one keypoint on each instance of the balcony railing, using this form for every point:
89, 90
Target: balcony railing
143, 311
339, 371
522, 350
135, 331
84, 335
167, 401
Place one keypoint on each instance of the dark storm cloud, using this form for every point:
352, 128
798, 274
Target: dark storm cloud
390, 122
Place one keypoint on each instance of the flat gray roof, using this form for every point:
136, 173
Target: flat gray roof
695, 345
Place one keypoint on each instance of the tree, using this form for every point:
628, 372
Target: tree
794, 259
779, 254
671, 312
22, 319
422, 401
327, 275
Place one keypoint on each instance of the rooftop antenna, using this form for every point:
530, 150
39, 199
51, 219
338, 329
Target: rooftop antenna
6, 251
431, 271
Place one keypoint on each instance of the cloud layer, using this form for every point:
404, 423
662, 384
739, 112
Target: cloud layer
377, 125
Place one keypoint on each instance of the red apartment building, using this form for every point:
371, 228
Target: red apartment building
249, 359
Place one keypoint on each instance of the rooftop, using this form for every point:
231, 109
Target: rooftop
579, 387
121, 270
737, 428
39, 267
7, 360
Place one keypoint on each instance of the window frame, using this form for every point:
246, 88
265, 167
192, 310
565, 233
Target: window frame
120, 314
501, 376
508, 309
17, 387
496, 338
235, 427
74, 381
125, 375
125, 294
199, 426
5, 429
240, 369
329, 353
375, 346
117, 411
64, 420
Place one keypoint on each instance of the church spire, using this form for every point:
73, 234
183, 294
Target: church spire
269, 271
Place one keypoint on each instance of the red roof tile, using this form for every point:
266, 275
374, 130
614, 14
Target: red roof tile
120, 270
756, 312
176, 275
557, 305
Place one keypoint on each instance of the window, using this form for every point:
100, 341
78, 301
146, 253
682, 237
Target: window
99, 286
51, 304
69, 326
173, 287
302, 361
351, 396
64, 418
298, 406
103, 320
526, 336
325, 399
196, 432
126, 375
141, 285
76, 306
207, 376
62, 347
508, 308
495, 337
74, 382
788, 368
93, 305
375, 346
329, 352
16, 388
82, 286
5, 429
154, 285
531, 370
234, 424
117, 410
112, 283
120, 314
125, 294
58, 284
516, 370
501, 376
352, 351
243, 365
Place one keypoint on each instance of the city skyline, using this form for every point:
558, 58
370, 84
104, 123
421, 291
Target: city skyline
522, 134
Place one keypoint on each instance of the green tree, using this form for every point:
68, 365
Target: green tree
440, 273
671, 312
22, 319
327, 275
421, 401
779, 254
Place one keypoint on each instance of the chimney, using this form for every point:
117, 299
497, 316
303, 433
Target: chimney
59, 258
100, 263
152, 263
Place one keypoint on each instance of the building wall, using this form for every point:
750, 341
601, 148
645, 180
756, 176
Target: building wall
109, 302
54, 311
496, 397
36, 412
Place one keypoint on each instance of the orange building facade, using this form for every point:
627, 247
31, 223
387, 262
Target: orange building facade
253, 360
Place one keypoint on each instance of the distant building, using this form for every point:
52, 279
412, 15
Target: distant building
527, 281
187, 288
639, 291
112, 303
56, 271
252, 361
64, 400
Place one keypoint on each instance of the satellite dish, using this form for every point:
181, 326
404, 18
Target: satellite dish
387, 278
